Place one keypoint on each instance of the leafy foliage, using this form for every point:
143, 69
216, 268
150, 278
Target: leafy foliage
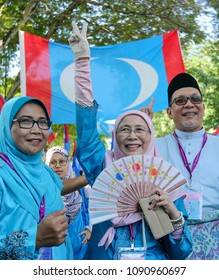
112, 22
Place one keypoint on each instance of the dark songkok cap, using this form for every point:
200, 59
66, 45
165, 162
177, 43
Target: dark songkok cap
180, 81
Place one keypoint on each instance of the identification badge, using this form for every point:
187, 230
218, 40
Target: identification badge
193, 203
127, 253
194, 210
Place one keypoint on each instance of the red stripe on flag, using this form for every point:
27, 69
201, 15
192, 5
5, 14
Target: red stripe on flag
74, 149
37, 57
216, 133
66, 133
2, 102
51, 137
172, 55
66, 138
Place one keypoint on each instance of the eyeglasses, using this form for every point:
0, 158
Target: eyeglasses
28, 123
61, 162
125, 131
182, 100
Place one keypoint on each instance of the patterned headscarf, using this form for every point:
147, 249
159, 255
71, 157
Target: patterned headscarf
72, 201
64, 153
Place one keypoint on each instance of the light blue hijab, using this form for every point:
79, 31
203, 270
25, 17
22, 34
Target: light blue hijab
35, 179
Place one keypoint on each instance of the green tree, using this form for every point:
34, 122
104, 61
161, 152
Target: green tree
112, 22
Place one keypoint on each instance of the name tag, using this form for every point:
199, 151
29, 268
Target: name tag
193, 203
126, 253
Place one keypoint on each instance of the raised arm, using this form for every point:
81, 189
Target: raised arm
90, 149
74, 184
81, 49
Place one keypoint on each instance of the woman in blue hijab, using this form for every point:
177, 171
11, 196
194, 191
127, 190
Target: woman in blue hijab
32, 213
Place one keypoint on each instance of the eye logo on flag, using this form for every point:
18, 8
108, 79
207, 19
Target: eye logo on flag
124, 76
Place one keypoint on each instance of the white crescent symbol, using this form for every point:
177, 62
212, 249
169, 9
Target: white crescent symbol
67, 82
148, 77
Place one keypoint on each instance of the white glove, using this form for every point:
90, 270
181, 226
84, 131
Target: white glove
78, 42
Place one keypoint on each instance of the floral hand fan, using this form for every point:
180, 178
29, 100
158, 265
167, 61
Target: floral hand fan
120, 186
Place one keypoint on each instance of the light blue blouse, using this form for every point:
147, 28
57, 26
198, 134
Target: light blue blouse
21, 194
91, 152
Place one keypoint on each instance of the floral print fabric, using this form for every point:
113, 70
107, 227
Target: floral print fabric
205, 235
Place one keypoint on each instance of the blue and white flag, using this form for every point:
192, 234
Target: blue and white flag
124, 76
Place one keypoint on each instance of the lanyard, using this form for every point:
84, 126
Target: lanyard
7, 160
42, 208
132, 236
183, 155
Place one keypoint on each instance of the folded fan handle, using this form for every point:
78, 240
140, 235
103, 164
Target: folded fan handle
158, 220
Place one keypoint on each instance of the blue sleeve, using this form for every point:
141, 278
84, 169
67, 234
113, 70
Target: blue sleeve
179, 249
85, 206
90, 149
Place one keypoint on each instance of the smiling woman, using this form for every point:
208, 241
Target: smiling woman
32, 212
32, 136
134, 135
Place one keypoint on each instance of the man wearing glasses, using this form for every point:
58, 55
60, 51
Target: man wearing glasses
190, 149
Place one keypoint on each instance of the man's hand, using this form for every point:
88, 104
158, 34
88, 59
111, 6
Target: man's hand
149, 109
78, 42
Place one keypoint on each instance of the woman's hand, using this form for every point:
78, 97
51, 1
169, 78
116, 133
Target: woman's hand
87, 235
162, 199
52, 230
78, 42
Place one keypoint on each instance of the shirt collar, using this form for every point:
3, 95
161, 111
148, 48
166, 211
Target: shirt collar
190, 135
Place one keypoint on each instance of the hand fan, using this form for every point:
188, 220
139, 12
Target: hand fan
120, 186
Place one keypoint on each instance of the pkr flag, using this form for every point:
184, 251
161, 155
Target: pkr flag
124, 76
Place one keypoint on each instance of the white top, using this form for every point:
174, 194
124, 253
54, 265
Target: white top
206, 174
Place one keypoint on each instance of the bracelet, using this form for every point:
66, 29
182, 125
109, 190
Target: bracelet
178, 226
179, 219
178, 223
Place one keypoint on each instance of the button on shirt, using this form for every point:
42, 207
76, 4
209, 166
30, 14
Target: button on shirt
206, 173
